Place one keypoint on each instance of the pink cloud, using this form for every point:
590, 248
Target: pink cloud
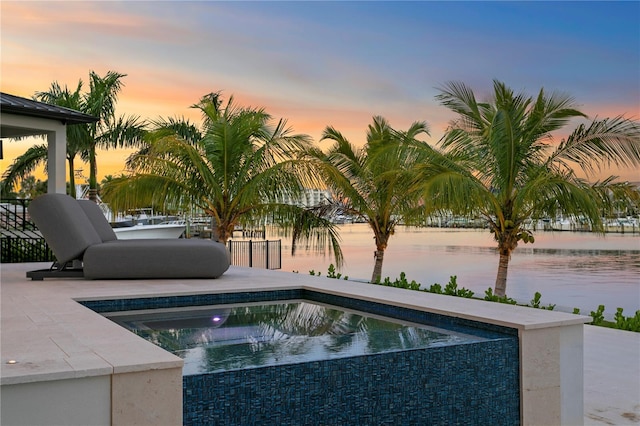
86, 19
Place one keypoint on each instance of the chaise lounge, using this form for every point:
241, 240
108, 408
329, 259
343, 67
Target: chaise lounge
78, 234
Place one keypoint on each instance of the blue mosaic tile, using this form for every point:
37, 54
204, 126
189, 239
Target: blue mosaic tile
461, 384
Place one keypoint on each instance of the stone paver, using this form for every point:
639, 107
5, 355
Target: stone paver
611, 376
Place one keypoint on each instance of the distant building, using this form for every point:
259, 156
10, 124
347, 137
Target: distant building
310, 197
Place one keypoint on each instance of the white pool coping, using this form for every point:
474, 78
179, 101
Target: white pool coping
52, 337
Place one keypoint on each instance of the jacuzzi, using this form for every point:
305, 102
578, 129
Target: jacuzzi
456, 381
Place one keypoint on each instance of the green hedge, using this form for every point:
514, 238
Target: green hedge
621, 322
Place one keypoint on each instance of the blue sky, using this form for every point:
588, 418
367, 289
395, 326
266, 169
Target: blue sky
325, 63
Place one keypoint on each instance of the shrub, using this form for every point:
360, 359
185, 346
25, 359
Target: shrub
535, 302
598, 316
488, 295
452, 288
435, 288
401, 283
627, 323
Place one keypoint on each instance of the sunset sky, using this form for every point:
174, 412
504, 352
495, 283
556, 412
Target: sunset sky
324, 63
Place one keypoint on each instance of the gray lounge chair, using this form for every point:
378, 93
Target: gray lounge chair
79, 234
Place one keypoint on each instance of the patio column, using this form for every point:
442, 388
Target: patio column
56, 166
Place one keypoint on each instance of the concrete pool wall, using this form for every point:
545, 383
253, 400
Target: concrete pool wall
54, 339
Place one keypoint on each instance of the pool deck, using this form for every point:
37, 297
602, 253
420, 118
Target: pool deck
51, 337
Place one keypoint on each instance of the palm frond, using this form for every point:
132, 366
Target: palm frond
125, 131
460, 98
316, 231
24, 165
604, 143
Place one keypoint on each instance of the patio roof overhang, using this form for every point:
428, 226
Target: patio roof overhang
22, 117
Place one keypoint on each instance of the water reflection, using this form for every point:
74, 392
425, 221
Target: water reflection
570, 269
258, 335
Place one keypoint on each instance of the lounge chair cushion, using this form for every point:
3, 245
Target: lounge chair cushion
97, 218
64, 226
156, 258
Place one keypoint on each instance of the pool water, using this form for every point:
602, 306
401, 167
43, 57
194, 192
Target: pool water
229, 337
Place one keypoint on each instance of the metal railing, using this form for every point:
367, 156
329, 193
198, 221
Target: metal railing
256, 254
24, 249
14, 215
20, 240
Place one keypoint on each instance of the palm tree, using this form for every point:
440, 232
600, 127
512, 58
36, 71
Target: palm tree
36, 155
236, 168
108, 132
373, 183
501, 163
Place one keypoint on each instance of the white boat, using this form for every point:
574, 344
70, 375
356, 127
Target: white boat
163, 230
143, 224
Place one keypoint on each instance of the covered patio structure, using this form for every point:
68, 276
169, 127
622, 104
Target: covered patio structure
22, 117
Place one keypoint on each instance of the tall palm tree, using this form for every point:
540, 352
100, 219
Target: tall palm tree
109, 131
501, 162
236, 168
373, 183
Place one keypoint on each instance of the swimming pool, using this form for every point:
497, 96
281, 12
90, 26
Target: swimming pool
471, 382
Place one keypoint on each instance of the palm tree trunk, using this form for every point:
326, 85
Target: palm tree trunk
501, 279
217, 233
377, 267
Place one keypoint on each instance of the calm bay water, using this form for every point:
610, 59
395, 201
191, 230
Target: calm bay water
569, 269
